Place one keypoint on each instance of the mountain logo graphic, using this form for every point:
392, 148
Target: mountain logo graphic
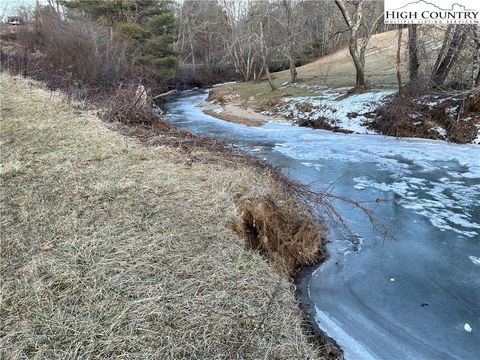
427, 12
452, 7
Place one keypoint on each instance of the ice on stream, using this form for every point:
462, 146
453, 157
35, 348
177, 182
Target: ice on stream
435, 200
437, 187
435, 179
475, 260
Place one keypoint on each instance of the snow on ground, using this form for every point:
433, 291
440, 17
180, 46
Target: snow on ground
477, 139
440, 131
345, 112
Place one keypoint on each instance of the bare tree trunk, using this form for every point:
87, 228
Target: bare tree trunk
359, 69
399, 49
446, 41
288, 12
477, 80
38, 17
476, 57
454, 48
353, 26
293, 71
264, 59
413, 63
58, 9
192, 50
353, 23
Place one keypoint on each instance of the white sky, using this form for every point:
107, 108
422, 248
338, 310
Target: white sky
9, 7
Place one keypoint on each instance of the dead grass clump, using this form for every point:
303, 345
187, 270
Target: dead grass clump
281, 230
215, 95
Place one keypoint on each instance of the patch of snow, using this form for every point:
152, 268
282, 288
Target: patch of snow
477, 138
452, 110
314, 165
475, 260
439, 130
467, 327
329, 106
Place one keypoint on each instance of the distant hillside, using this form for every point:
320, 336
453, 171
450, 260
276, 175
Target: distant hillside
337, 70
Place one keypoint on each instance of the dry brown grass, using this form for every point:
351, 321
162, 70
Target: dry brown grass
114, 249
281, 229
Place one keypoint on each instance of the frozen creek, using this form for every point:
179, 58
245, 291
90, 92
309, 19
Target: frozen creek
406, 298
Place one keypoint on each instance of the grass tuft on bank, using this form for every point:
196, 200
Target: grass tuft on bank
111, 248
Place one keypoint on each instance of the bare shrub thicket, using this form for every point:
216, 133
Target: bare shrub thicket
130, 104
82, 49
76, 47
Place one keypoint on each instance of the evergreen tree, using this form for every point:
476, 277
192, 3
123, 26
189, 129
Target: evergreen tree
149, 26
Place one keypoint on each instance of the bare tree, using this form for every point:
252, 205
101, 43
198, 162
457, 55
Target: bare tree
264, 53
399, 50
413, 63
287, 6
354, 22
449, 53
475, 80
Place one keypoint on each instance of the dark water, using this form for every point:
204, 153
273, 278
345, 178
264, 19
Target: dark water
403, 298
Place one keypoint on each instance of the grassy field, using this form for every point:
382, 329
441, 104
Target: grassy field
113, 249
335, 70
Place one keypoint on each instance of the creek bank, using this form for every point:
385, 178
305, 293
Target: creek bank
193, 276
435, 116
432, 116
323, 108
310, 325
284, 231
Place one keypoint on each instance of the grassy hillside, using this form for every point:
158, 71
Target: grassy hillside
335, 70
112, 249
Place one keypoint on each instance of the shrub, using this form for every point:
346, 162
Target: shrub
79, 48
